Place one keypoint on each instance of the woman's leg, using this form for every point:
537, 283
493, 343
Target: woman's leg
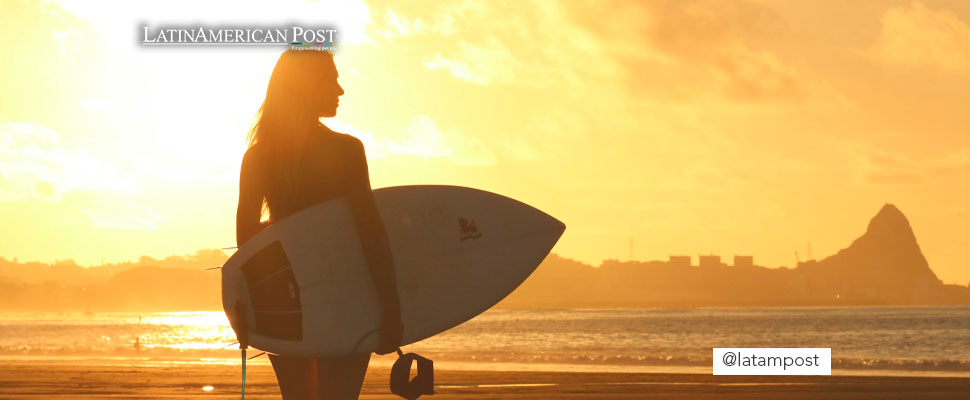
340, 377
297, 377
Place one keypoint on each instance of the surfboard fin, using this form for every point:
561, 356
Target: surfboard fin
239, 324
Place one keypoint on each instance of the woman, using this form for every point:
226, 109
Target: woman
293, 162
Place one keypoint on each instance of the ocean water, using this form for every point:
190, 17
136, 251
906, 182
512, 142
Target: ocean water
864, 340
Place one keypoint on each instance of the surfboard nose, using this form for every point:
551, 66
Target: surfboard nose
552, 227
537, 227
558, 225
529, 221
553, 230
544, 221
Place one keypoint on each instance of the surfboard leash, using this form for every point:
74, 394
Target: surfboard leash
240, 325
243, 374
423, 382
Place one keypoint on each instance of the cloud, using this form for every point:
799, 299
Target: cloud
915, 36
422, 138
879, 166
758, 75
121, 213
459, 69
34, 165
717, 41
397, 25
425, 138
521, 43
676, 48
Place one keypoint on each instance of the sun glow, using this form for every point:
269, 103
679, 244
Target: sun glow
199, 319
718, 131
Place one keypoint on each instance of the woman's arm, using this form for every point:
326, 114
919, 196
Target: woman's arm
250, 200
377, 250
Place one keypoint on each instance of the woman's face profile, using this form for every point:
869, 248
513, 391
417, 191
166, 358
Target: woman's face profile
326, 96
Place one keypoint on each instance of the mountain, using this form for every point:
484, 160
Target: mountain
885, 263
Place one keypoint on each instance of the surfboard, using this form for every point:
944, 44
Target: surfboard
457, 251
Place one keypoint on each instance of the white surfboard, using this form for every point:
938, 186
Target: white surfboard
457, 252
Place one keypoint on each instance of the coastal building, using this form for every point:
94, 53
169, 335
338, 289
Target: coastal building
743, 261
679, 261
710, 261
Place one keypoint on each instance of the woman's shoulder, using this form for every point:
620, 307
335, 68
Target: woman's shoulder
351, 141
253, 161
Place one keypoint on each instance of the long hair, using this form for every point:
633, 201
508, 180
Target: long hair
286, 118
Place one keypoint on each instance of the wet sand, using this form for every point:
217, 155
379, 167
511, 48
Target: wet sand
31, 380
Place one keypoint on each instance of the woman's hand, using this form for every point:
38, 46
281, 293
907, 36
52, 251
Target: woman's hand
391, 333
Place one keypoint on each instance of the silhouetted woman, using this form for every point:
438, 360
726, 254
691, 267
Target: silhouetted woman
293, 162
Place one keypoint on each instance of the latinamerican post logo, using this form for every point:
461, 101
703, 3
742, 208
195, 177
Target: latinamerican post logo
300, 37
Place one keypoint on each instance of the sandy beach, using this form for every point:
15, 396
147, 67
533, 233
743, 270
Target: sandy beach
32, 380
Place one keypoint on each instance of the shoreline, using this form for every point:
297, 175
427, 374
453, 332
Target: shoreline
30, 380
660, 305
385, 361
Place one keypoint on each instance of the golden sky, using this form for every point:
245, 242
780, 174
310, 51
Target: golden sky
724, 127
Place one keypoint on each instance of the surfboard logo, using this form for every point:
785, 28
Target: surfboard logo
467, 229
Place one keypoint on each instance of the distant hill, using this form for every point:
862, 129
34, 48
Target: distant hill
883, 266
173, 283
885, 263
68, 272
